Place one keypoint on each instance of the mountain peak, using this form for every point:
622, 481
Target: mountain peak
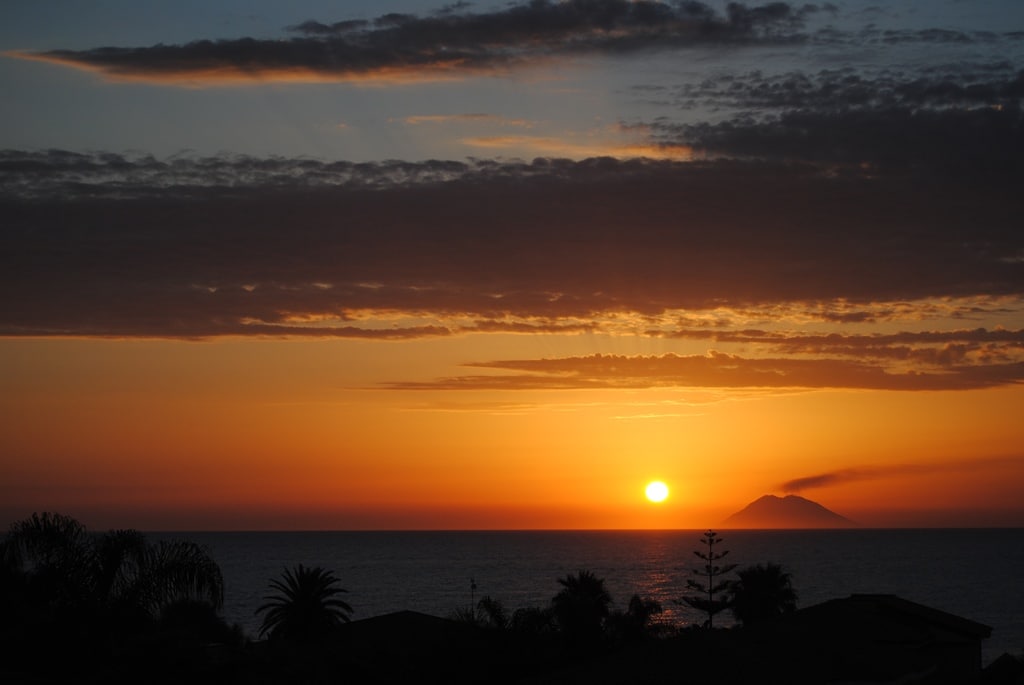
791, 511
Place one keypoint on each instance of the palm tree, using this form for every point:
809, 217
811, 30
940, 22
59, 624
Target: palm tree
634, 624
118, 557
176, 571
533, 620
762, 593
47, 539
581, 607
488, 613
640, 612
90, 592
118, 574
51, 555
493, 613
306, 606
12, 578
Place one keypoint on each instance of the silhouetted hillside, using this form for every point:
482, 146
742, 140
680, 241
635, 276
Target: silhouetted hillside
791, 511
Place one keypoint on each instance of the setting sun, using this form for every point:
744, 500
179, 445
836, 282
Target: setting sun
656, 491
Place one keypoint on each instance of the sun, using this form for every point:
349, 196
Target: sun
656, 491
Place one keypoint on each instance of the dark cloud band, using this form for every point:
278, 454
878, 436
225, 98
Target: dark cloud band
134, 252
455, 40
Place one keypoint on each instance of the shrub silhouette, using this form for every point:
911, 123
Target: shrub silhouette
533, 620
763, 592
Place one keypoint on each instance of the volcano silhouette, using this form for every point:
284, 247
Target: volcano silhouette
791, 511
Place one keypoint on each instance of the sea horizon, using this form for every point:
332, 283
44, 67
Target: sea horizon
183, 531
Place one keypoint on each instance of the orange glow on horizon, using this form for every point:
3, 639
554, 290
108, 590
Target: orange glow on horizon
578, 149
175, 434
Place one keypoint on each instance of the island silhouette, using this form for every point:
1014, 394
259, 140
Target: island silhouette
791, 511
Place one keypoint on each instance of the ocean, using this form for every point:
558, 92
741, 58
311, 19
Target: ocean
974, 573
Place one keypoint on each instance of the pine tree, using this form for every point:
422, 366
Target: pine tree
709, 587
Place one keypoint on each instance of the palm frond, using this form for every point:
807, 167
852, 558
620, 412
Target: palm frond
305, 605
180, 570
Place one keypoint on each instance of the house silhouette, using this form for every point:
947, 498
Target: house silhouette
863, 638
884, 638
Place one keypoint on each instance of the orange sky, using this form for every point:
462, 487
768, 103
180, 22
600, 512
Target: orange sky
294, 433
499, 265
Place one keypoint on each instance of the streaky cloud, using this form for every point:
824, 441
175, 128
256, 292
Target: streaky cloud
881, 472
455, 41
717, 370
939, 348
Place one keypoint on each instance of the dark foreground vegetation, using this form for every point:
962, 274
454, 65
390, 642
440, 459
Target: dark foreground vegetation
79, 607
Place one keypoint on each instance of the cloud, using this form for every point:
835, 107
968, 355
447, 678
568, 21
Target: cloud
452, 42
939, 348
987, 140
869, 473
104, 244
65, 175
717, 370
495, 326
964, 84
963, 121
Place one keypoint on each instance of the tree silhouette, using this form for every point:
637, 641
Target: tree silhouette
137, 578
492, 612
12, 582
710, 571
488, 613
118, 576
306, 607
634, 623
762, 593
96, 592
119, 557
192, 623
176, 571
53, 554
533, 620
581, 607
